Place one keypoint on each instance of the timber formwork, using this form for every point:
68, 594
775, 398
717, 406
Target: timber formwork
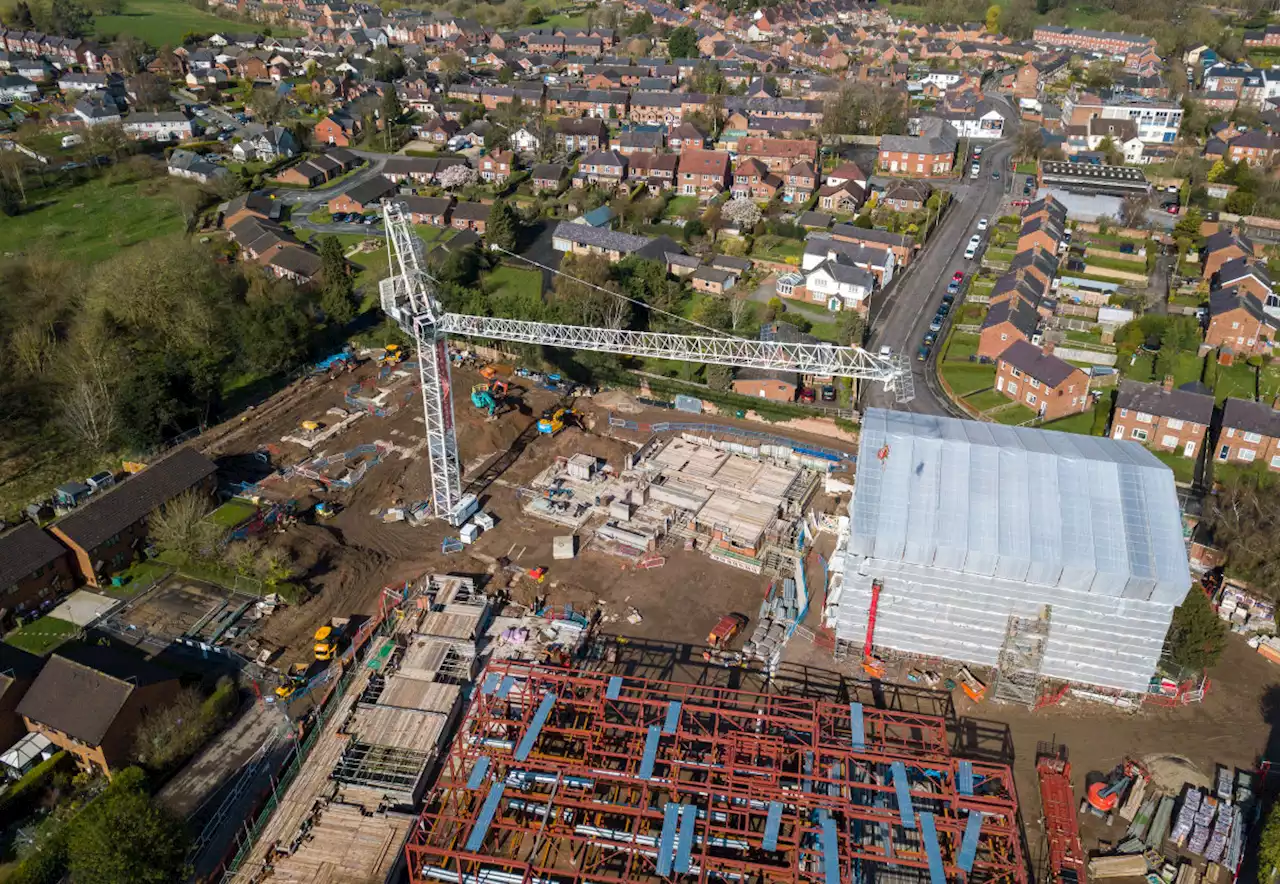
561, 776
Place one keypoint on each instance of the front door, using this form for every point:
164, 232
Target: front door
1189, 450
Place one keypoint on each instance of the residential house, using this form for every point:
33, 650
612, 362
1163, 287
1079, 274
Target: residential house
584, 239
338, 129
470, 216
1162, 417
548, 177
714, 280
658, 171
439, 130
1250, 432
496, 167
310, 173
195, 167
638, 141
780, 154
90, 699
1007, 322
845, 197
581, 135
1249, 276
837, 283
801, 182
930, 154
105, 533
271, 144
1221, 247
1238, 323
703, 173
1108, 43
877, 259
251, 205
779, 386
34, 570
298, 264
601, 167
427, 210
1049, 386
905, 195
18, 671
160, 126
902, 245
1255, 148
366, 196
525, 141
684, 136
753, 180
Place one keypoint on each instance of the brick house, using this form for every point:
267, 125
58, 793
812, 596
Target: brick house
470, 216
1250, 432
905, 195
548, 176
430, 210
496, 167
90, 699
714, 280
1161, 417
753, 180
902, 245
1220, 248
105, 533
1246, 276
931, 154
1255, 148
583, 239
1238, 322
581, 135
363, 197
604, 167
18, 671
843, 197
1007, 322
1049, 386
34, 568
702, 173
780, 154
778, 386
802, 181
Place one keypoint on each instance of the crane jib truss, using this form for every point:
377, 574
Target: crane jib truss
408, 297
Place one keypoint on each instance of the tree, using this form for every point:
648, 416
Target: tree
1107, 147
336, 288
275, 566
683, 43
713, 312
390, 111
22, 19
582, 292
534, 15
639, 24
388, 65
152, 92
1133, 211
1241, 202
1269, 845
1197, 636
505, 76
503, 227
10, 204
1245, 520
851, 326
69, 19
457, 176
993, 19
124, 837
719, 378
864, 221
90, 390
180, 526
743, 213
1029, 141
451, 64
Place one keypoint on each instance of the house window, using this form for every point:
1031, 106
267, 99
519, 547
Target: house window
1035, 385
1174, 423
1124, 412
1246, 454
1143, 417
1015, 372
1169, 441
1140, 435
1275, 462
1231, 432
1252, 438
1013, 388
1031, 399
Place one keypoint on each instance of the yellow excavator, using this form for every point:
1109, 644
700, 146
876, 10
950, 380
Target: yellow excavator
556, 419
295, 680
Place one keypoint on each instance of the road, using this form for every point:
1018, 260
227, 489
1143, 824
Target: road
902, 319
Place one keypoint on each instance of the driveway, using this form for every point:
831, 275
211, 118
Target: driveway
901, 319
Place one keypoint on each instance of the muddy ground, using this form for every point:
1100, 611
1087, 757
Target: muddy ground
349, 559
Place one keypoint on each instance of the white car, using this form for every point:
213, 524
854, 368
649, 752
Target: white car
982, 223
975, 240
886, 351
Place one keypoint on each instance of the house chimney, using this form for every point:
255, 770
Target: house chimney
1167, 383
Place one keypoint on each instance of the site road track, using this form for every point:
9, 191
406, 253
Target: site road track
902, 320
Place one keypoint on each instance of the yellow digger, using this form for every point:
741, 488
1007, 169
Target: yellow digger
296, 679
555, 420
392, 354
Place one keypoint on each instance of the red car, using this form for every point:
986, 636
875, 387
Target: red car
1172, 210
958, 275
808, 395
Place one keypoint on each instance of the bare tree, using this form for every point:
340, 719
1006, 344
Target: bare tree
1133, 211
12, 169
181, 526
89, 395
275, 566
738, 310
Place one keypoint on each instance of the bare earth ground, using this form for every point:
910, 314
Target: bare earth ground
351, 558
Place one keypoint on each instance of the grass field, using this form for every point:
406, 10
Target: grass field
514, 280
91, 222
42, 636
967, 377
162, 22
232, 513
1184, 468
1081, 423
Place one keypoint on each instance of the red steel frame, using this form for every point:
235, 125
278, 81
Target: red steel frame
732, 752
1061, 830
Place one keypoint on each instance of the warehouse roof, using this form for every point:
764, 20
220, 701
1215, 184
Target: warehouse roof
1036, 506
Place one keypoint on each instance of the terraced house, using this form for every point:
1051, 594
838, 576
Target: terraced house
1250, 432
1162, 417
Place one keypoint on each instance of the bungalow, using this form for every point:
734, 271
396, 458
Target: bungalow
713, 280
1049, 386
470, 216
905, 195
90, 699
583, 239
193, 166
363, 197
427, 210
105, 533
844, 197
298, 264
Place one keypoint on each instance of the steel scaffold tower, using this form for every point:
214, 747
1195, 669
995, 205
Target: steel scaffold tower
408, 296
561, 776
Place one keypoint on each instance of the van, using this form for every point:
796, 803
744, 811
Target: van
72, 141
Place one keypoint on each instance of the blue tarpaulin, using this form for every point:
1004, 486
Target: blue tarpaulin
929, 834
535, 726
650, 752
487, 810
903, 790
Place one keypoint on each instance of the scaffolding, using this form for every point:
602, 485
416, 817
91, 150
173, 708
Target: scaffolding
1017, 677
560, 776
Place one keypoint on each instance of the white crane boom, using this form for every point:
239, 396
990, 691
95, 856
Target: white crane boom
408, 297
821, 360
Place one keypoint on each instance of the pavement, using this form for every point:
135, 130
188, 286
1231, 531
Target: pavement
900, 319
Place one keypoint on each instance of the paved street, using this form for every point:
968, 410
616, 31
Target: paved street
902, 318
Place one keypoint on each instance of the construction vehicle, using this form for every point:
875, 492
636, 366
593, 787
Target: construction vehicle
330, 638
1065, 854
326, 510
294, 680
392, 354
1106, 792
721, 635
491, 396
555, 420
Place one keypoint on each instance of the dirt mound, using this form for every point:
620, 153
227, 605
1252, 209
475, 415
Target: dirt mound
619, 401
568, 442
1169, 772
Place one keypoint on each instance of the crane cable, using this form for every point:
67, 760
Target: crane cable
715, 331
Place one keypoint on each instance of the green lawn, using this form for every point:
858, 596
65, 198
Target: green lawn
999, 256
1018, 414
1026, 167
679, 205
1081, 423
42, 636
1184, 468
372, 269
164, 22
987, 399
967, 377
560, 20
1095, 262
90, 222
960, 346
232, 513
526, 283
1237, 381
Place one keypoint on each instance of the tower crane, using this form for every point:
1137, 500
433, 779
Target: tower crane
408, 297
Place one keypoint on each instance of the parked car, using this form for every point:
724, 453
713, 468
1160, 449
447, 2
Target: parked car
952, 288
930, 338
948, 298
922, 353
886, 351
828, 393
807, 395
958, 276
995, 174
935, 324
982, 223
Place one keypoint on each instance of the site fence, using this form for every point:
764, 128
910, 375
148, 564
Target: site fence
818, 451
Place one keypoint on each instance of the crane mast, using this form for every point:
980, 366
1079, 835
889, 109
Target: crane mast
408, 296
